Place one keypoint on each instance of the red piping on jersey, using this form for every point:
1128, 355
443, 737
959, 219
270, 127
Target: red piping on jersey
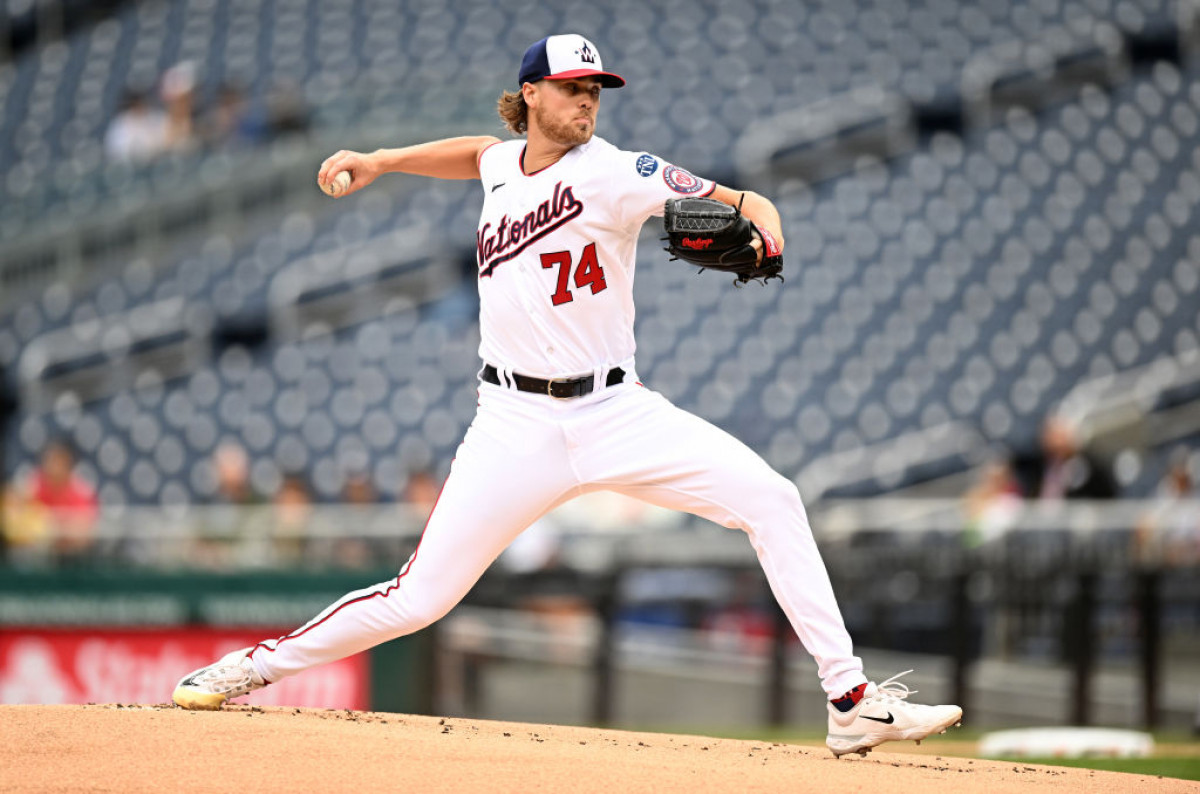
479, 157
369, 596
521, 162
710, 191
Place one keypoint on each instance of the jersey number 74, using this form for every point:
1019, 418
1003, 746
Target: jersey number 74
587, 273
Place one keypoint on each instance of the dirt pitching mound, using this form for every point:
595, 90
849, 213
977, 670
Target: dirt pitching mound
247, 748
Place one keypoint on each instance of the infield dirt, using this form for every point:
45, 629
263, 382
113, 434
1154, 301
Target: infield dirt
132, 748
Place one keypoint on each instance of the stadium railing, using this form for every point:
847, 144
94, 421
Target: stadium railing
1067, 586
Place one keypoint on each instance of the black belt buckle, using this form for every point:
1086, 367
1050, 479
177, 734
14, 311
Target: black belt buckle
567, 388
575, 387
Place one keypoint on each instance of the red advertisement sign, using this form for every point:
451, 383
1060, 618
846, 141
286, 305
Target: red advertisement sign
130, 666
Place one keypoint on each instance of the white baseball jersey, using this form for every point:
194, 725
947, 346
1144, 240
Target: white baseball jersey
556, 253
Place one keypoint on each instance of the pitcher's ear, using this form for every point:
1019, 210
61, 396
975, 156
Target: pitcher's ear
530, 92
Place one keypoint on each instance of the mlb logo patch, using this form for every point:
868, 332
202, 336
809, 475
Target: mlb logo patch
646, 165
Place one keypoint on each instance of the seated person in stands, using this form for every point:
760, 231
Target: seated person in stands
1062, 468
57, 508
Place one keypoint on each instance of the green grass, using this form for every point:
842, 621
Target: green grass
1177, 755
1185, 768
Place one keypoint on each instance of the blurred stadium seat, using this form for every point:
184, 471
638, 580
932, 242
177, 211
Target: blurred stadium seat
976, 279
374, 59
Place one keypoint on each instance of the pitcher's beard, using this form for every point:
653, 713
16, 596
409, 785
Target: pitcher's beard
568, 134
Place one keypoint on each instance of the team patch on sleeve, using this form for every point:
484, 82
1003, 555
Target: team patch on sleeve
646, 165
681, 181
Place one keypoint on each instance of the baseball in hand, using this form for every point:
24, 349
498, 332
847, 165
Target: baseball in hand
337, 185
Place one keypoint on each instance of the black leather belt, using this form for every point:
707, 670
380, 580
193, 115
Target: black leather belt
562, 389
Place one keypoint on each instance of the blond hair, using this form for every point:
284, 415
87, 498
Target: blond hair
513, 111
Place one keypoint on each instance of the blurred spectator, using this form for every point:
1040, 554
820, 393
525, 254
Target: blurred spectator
232, 469
1170, 531
54, 510
141, 132
992, 504
229, 522
292, 513
350, 550
1178, 483
138, 133
233, 123
358, 489
26, 529
287, 112
179, 97
418, 494
421, 493
1062, 469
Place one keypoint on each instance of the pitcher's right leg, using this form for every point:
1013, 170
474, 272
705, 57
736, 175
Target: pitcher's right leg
510, 470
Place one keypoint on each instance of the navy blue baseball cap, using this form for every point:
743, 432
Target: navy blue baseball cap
563, 58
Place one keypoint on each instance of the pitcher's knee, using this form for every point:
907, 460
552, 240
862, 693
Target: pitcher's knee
782, 493
409, 611
776, 501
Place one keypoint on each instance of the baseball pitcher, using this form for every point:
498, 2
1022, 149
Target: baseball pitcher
562, 411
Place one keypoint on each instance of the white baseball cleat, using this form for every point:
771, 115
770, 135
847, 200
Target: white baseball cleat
884, 715
231, 676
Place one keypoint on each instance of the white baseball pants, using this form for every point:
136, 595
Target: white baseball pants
523, 455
